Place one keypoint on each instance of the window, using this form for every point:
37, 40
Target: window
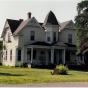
54, 36
9, 37
69, 38
6, 54
10, 55
48, 36
58, 36
34, 54
19, 55
32, 35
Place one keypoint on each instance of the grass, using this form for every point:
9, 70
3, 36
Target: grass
11, 75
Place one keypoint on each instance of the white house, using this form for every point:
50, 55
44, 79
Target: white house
41, 43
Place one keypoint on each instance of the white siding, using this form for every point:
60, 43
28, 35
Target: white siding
10, 46
63, 35
52, 29
25, 38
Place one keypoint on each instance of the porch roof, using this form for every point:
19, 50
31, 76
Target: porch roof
47, 44
40, 43
70, 45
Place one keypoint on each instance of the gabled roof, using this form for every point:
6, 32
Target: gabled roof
22, 25
63, 24
13, 24
50, 19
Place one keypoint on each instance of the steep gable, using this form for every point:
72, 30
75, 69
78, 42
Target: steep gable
12, 24
29, 22
66, 24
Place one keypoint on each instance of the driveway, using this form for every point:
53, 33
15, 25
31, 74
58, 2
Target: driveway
60, 84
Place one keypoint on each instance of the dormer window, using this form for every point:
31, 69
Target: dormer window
9, 37
54, 36
32, 35
48, 36
69, 38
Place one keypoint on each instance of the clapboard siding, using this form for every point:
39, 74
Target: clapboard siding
63, 35
10, 46
25, 35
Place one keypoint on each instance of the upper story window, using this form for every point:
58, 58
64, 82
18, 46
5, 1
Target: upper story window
54, 36
9, 37
48, 36
32, 35
69, 38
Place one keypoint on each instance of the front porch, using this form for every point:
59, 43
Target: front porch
44, 56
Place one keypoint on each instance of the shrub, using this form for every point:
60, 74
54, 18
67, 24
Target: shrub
21, 64
0, 63
62, 69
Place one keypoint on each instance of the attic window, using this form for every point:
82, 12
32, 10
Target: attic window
9, 37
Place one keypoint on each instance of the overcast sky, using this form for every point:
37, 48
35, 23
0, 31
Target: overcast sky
17, 9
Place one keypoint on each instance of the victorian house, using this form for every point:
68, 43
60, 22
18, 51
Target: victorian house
28, 41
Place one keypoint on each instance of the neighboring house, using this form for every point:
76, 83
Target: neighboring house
41, 43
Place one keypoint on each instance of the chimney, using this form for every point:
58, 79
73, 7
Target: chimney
29, 15
20, 19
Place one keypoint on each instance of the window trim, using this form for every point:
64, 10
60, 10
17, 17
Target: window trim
32, 36
19, 55
54, 36
10, 55
69, 38
6, 55
48, 35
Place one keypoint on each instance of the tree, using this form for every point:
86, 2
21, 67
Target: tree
81, 24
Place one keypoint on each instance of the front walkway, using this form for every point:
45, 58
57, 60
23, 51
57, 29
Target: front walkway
60, 84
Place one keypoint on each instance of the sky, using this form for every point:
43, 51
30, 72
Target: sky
64, 10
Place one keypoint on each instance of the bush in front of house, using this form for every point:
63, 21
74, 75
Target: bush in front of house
62, 69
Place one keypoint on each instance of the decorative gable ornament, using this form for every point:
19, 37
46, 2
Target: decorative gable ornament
33, 23
70, 25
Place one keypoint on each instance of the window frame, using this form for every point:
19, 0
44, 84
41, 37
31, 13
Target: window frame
32, 35
69, 38
54, 36
9, 37
19, 55
10, 55
48, 36
6, 55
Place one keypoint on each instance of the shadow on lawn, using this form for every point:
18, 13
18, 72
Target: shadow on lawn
9, 74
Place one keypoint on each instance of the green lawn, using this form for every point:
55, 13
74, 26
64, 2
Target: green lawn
9, 75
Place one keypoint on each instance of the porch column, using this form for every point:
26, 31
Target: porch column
31, 54
52, 55
63, 56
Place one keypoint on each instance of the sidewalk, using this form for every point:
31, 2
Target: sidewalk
60, 84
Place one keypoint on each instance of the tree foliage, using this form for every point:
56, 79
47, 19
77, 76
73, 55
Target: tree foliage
81, 24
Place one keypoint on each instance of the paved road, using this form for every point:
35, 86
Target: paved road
60, 84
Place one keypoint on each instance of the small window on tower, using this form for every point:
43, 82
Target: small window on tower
48, 36
54, 36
